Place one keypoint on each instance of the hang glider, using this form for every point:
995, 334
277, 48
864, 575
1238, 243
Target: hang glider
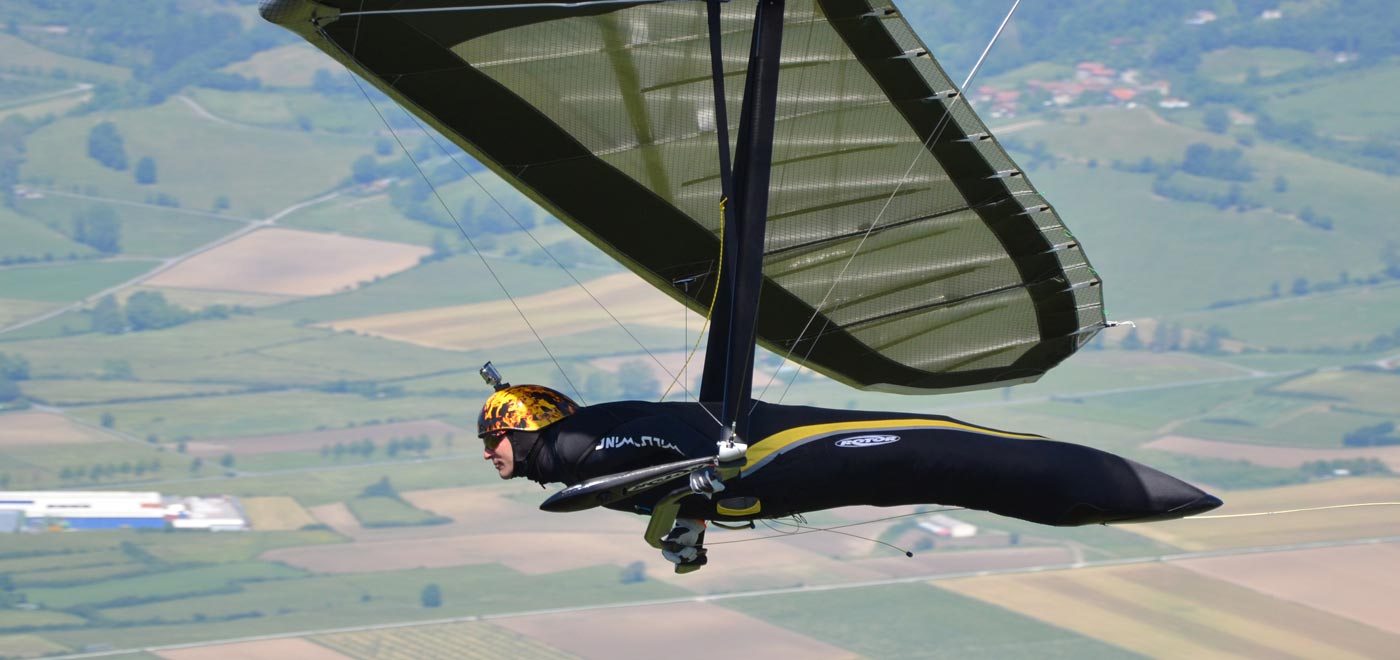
904, 250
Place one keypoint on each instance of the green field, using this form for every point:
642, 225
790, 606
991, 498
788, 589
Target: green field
1339, 319
365, 599
41, 466
67, 282
1365, 113
460, 280
1150, 409
21, 54
296, 460
1232, 65
29, 239
368, 217
241, 349
86, 391
379, 511
324, 486
166, 584
260, 171
262, 414
286, 110
1197, 238
146, 230
1321, 429
900, 620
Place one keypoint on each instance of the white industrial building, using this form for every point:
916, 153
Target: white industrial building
948, 527
79, 509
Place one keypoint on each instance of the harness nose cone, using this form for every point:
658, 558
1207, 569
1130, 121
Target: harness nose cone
1168, 498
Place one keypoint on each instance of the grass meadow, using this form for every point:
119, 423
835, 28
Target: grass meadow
895, 621
147, 230
67, 282
260, 171
26, 238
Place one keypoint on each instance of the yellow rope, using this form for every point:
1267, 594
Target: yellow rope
1271, 513
713, 297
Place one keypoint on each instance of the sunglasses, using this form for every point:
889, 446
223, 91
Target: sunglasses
494, 440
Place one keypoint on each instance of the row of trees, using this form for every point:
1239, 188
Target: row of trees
99, 471
1172, 337
366, 447
149, 310
1372, 436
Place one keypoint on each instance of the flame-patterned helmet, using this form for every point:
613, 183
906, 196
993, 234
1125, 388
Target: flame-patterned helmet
523, 408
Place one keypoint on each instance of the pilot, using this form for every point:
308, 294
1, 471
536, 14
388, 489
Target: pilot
803, 459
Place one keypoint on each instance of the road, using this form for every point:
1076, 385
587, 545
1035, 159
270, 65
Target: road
757, 593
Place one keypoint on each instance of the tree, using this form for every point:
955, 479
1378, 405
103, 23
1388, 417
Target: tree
105, 146
108, 420
148, 310
98, 227
431, 596
364, 170
1216, 119
197, 464
1280, 184
633, 573
14, 367
1132, 342
226, 460
9, 391
1301, 287
146, 171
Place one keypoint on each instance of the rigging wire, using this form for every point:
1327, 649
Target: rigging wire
453, 216
1275, 513
933, 137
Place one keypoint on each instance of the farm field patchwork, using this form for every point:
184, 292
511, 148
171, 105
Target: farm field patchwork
560, 312
1271, 456
438, 432
1305, 527
292, 263
259, 650
25, 429
75, 391
1169, 611
275, 513
1352, 582
1311, 424
651, 632
464, 641
423, 288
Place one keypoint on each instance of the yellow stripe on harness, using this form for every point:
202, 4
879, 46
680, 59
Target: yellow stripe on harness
780, 441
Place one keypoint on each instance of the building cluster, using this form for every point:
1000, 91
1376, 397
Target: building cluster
1093, 83
36, 511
